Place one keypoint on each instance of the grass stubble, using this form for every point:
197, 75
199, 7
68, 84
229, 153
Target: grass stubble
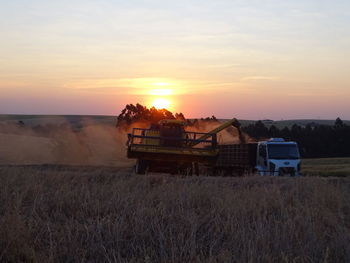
101, 214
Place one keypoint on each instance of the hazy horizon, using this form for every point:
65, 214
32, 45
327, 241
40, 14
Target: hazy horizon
246, 59
194, 117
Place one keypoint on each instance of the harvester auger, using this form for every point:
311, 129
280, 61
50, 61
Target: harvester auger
234, 122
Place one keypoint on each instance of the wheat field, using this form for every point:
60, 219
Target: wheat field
101, 214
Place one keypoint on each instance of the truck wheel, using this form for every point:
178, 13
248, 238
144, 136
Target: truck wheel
141, 166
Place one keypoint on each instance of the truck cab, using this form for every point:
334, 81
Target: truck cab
277, 157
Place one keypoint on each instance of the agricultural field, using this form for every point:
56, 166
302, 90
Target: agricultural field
56, 213
338, 167
70, 194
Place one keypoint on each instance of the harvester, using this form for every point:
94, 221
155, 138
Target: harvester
168, 147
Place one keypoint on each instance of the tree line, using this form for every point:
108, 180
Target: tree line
315, 141
139, 113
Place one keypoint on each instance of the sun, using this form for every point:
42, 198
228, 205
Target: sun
161, 103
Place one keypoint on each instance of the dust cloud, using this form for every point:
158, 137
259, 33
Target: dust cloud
95, 144
229, 135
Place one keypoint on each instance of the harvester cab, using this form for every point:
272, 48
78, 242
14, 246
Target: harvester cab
172, 132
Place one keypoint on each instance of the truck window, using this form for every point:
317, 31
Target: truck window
283, 151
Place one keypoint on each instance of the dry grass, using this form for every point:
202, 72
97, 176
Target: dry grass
82, 214
325, 167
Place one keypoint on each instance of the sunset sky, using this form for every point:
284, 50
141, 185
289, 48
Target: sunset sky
246, 59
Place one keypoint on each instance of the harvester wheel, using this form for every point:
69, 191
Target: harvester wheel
141, 166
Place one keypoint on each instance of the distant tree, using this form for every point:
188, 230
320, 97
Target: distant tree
20, 123
139, 113
214, 118
274, 132
261, 129
338, 123
210, 119
285, 133
180, 116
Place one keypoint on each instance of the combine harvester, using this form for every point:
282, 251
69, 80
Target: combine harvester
166, 147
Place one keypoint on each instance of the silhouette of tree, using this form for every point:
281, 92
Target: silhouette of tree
314, 140
180, 116
139, 113
338, 123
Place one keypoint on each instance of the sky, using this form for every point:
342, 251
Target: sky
247, 59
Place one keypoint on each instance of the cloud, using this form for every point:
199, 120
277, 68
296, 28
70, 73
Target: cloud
256, 78
313, 94
131, 86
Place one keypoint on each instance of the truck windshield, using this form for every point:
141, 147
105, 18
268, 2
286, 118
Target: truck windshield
283, 151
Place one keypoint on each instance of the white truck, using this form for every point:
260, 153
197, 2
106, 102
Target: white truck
277, 157
274, 157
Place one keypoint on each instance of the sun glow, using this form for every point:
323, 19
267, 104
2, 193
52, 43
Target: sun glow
161, 103
161, 92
